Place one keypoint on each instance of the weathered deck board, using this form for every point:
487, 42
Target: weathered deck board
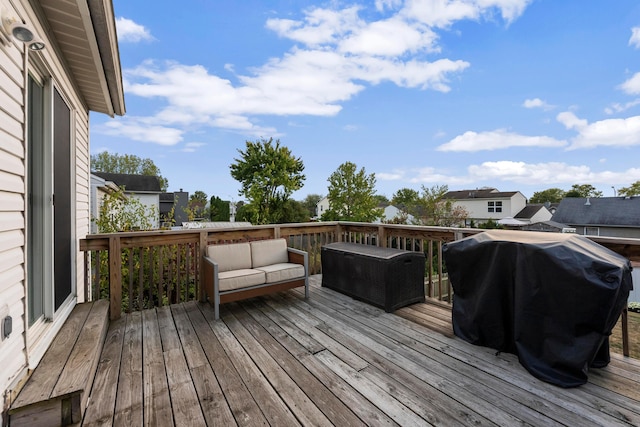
58, 390
244, 409
157, 404
130, 389
184, 399
284, 360
212, 400
554, 400
100, 411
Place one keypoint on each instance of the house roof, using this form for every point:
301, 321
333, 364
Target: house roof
85, 34
529, 211
555, 224
132, 183
601, 211
482, 193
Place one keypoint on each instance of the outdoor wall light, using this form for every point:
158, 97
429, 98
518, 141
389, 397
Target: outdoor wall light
12, 27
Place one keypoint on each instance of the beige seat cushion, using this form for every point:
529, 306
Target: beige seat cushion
236, 256
282, 271
237, 279
269, 252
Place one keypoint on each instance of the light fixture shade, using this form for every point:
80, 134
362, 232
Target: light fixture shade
22, 32
37, 44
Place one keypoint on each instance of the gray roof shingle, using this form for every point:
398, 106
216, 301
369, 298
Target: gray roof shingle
608, 211
132, 183
482, 193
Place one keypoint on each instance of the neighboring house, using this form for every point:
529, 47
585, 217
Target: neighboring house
322, 206
175, 205
145, 188
45, 99
488, 203
534, 213
601, 216
100, 187
390, 212
549, 226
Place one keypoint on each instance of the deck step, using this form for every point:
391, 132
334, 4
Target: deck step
57, 391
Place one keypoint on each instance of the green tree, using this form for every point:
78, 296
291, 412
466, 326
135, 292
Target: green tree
310, 203
269, 174
406, 199
632, 190
381, 199
219, 209
197, 204
432, 208
352, 195
490, 224
551, 195
121, 213
583, 190
127, 164
293, 211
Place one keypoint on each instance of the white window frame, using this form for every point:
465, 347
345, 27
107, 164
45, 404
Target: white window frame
591, 231
494, 206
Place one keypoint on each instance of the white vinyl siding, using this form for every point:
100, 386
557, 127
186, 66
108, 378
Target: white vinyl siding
24, 348
12, 213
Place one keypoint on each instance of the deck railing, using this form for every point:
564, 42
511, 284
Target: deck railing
140, 270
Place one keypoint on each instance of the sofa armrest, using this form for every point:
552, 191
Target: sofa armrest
209, 278
296, 256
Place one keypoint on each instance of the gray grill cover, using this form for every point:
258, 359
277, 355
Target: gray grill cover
550, 298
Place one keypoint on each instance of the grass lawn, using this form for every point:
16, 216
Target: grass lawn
615, 341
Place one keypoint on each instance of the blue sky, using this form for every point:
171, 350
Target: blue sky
514, 94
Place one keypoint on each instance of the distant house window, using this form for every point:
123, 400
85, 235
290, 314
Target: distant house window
592, 231
494, 206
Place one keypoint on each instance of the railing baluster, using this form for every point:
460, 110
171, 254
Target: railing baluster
130, 253
141, 304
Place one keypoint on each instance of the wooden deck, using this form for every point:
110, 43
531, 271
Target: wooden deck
282, 360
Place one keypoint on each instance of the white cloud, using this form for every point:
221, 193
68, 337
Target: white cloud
381, 5
537, 103
632, 85
496, 140
391, 37
571, 121
609, 133
619, 108
390, 176
635, 37
443, 13
515, 173
191, 147
551, 173
140, 129
129, 31
320, 26
339, 53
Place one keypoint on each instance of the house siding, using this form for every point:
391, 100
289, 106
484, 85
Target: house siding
477, 208
13, 357
20, 351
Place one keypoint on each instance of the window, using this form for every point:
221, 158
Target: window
494, 206
49, 169
592, 231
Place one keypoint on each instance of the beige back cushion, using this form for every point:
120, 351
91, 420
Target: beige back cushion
269, 252
235, 256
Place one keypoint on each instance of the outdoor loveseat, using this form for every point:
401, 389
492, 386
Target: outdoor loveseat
238, 271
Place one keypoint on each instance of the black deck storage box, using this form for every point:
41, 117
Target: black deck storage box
385, 277
550, 298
